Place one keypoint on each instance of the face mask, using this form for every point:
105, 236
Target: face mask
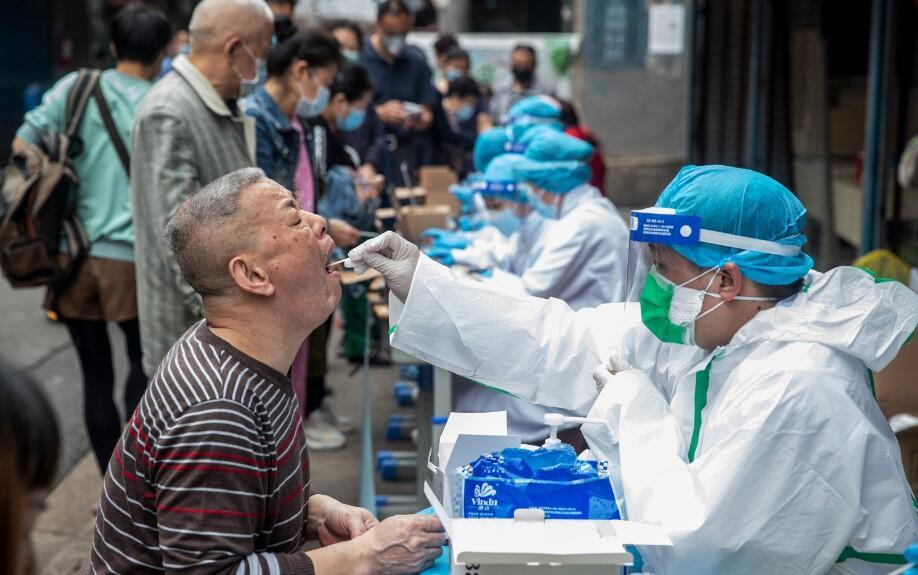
352, 121
547, 211
523, 75
670, 311
311, 108
464, 113
351, 56
248, 85
454, 74
505, 220
393, 45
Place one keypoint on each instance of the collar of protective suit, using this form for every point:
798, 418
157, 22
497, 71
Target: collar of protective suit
845, 309
577, 196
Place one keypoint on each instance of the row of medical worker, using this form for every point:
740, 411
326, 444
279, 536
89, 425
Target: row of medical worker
736, 391
568, 241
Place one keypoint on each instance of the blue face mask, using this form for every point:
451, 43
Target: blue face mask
248, 85
351, 56
464, 113
314, 107
454, 73
505, 220
352, 121
547, 211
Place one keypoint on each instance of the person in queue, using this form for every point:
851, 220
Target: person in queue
212, 473
189, 131
736, 393
30, 447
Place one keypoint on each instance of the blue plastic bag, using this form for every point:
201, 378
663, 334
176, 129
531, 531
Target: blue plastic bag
554, 480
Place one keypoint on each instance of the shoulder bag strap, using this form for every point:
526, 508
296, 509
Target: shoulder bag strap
110, 127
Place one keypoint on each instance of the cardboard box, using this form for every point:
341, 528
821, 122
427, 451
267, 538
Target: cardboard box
415, 219
896, 387
896, 394
410, 196
908, 445
437, 180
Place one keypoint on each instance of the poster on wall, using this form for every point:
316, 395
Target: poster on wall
665, 29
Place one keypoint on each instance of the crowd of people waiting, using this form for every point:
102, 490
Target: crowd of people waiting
333, 115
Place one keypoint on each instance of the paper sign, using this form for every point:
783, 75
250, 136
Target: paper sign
666, 29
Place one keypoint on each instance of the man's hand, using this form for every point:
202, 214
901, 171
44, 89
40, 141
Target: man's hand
391, 255
344, 234
403, 544
392, 113
344, 522
420, 122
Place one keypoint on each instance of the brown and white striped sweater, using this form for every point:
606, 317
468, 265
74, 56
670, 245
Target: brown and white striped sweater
212, 474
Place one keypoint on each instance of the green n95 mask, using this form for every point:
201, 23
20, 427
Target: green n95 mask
670, 311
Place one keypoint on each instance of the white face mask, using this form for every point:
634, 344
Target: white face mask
686, 303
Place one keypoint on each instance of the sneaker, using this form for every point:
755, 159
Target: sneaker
322, 437
342, 423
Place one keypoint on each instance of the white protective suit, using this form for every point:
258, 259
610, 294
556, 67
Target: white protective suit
581, 258
514, 254
769, 455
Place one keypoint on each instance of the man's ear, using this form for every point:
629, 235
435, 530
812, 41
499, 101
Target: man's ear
731, 281
250, 278
231, 44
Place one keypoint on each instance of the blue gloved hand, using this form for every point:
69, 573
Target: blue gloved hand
464, 194
470, 224
442, 255
454, 242
486, 273
445, 239
911, 555
434, 234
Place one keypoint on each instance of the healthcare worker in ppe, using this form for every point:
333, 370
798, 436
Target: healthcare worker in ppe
531, 112
584, 253
522, 229
737, 393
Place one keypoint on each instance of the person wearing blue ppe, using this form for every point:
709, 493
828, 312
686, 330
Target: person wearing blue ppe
737, 396
584, 254
521, 229
534, 111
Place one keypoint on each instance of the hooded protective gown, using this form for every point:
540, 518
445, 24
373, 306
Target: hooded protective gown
583, 256
513, 254
769, 455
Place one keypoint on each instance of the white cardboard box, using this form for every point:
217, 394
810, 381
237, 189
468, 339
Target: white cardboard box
528, 542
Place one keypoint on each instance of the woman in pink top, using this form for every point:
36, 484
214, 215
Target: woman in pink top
301, 66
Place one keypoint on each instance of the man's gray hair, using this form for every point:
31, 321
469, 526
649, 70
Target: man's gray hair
192, 233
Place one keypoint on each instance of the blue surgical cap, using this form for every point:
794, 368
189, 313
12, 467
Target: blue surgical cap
555, 177
535, 108
551, 146
743, 203
499, 180
489, 144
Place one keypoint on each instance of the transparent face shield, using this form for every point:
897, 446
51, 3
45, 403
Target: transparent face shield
653, 229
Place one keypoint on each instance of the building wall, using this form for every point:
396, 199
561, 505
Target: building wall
634, 101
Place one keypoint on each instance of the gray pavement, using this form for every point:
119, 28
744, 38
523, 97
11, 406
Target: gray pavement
31, 342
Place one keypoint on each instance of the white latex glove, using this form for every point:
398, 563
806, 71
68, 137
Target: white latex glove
391, 255
606, 372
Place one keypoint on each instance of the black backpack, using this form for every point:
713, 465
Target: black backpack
42, 241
